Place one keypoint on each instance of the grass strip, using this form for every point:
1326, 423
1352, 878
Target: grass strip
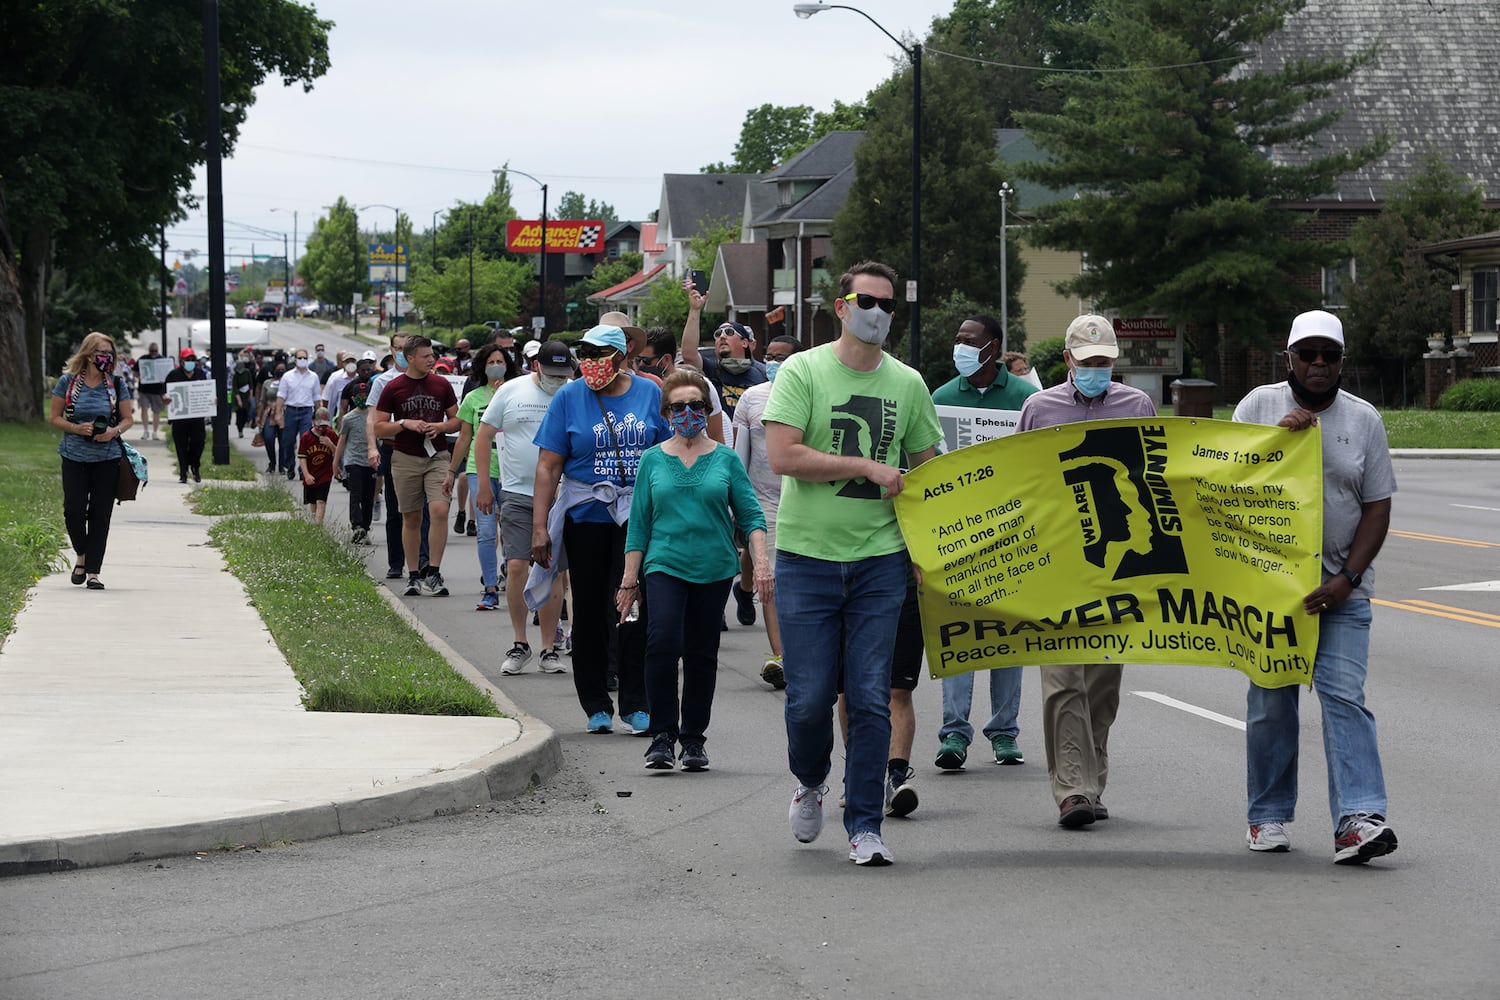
240, 469
217, 500
348, 648
1425, 428
31, 518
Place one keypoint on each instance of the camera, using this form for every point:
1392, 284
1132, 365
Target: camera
101, 424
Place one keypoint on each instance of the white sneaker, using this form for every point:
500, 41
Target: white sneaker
1268, 837
516, 659
806, 813
550, 662
1361, 837
868, 849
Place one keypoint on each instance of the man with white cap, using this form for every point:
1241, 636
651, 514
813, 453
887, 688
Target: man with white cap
1357, 486
528, 355
1079, 701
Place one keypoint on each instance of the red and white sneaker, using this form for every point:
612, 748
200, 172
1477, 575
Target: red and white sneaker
1362, 837
1268, 837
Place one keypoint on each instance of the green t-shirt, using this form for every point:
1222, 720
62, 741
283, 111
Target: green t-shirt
840, 411
679, 516
469, 411
1005, 393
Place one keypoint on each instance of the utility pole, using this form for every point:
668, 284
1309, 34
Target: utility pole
217, 345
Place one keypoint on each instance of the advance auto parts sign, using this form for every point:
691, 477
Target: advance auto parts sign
1161, 540
563, 236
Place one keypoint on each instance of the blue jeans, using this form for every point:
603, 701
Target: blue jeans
833, 611
684, 626
1355, 780
1005, 705
296, 422
489, 559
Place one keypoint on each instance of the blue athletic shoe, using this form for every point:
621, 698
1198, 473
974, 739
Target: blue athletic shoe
637, 723
599, 722
488, 601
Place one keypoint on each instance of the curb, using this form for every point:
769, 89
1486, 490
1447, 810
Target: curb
531, 759
1476, 454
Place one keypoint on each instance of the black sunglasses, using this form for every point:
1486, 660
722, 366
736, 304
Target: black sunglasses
696, 405
1332, 355
594, 352
869, 301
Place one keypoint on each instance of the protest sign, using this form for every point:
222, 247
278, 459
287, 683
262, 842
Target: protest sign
966, 425
1158, 540
186, 400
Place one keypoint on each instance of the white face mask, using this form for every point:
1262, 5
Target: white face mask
550, 383
302, 362
869, 325
350, 368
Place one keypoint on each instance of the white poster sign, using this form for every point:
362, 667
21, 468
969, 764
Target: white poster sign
966, 425
154, 370
186, 400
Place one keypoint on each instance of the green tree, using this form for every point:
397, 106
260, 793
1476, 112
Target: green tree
1398, 297
335, 263
1180, 211
961, 178
667, 303
480, 225
98, 144
608, 273
772, 134
573, 206
443, 293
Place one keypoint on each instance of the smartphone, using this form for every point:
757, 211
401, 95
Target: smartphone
700, 281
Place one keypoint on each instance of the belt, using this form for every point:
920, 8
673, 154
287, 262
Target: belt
307, 407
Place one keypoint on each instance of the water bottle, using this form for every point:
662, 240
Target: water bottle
634, 614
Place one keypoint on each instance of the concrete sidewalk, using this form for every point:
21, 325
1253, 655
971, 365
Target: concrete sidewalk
158, 717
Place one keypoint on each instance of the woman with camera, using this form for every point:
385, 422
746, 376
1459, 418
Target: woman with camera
93, 408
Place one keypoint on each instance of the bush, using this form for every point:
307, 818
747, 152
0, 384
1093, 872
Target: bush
1473, 395
1047, 358
476, 334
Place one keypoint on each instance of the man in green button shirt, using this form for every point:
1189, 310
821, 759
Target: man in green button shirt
982, 383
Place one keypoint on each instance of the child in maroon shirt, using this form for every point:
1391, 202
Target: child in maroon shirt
315, 458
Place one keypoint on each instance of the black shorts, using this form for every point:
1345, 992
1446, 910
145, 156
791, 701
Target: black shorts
906, 660
314, 494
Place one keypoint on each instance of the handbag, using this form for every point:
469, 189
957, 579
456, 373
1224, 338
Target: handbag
133, 474
259, 441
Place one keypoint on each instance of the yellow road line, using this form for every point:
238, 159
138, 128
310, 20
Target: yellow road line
1400, 606
1420, 536
1462, 611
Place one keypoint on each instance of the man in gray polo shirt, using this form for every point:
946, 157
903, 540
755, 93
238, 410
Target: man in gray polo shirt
1357, 486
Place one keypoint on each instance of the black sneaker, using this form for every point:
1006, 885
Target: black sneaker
660, 757
745, 605
433, 584
900, 796
694, 757
394, 573
458, 523
413, 586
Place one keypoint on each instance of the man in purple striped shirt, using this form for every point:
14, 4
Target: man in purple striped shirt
1079, 701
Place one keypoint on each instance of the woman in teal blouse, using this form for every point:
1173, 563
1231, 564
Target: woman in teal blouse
680, 547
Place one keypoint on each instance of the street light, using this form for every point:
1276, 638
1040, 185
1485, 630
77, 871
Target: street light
397, 237
542, 286
1005, 192
914, 53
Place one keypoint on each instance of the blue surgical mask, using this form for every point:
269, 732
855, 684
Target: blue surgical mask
401, 360
1092, 381
772, 367
188, 366
966, 359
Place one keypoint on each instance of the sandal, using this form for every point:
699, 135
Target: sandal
78, 575
95, 583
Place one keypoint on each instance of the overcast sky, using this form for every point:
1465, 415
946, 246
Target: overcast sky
422, 101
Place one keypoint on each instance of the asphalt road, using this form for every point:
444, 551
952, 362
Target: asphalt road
288, 333
615, 880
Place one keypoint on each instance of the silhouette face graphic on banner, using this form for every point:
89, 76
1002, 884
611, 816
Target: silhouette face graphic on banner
1128, 520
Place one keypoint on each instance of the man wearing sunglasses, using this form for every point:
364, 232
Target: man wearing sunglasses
1357, 486
730, 366
837, 423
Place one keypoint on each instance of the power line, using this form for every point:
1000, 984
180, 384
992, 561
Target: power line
432, 167
1060, 69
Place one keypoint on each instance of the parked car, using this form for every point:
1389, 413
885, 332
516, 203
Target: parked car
229, 311
310, 309
268, 311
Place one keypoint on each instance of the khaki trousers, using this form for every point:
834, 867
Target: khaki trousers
1078, 706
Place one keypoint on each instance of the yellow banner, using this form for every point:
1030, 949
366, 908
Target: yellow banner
1161, 540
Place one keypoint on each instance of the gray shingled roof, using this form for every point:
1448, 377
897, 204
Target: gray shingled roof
690, 200
823, 159
1434, 84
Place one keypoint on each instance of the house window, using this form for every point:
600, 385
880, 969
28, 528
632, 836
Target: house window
1486, 287
1336, 282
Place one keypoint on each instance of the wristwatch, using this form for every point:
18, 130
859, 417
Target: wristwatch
1354, 578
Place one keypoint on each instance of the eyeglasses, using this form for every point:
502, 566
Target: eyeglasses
777, 357
869, 301
696, 405
1332, 355
641, 361
593, 352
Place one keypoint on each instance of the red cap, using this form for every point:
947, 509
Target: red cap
187, 352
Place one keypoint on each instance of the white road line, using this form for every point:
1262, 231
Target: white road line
1469, 506
1482, 586
1191, 709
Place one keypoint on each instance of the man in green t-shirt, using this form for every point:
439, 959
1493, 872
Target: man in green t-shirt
836, 424
982, 383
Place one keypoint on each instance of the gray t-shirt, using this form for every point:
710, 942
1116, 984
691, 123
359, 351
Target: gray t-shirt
91, 402
1356, 465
